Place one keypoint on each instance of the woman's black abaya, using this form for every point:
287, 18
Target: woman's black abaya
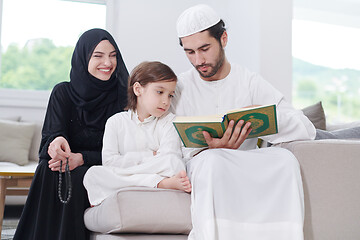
78, 111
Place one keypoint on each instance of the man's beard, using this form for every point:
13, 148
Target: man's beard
214, 68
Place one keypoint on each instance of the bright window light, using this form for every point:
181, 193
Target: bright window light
326, 67
38, 37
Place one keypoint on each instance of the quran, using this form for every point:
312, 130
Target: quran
263, 122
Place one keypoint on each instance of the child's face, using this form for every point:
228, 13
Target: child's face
154, 99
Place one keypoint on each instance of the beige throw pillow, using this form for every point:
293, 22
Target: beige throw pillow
15, 141
35, 143
316, 115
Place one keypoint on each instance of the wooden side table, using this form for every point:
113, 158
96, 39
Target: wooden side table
14, 181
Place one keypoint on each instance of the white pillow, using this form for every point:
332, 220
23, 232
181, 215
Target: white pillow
15, 141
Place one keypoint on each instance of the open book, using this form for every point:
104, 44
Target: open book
263, 122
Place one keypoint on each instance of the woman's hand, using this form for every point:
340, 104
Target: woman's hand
59, 150
75, 160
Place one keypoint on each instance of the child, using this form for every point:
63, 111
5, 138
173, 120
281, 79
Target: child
141, 146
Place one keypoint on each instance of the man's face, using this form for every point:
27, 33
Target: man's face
205, 54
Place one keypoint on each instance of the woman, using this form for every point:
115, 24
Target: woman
73, 129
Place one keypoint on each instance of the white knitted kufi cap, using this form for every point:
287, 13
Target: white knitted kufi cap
196, 19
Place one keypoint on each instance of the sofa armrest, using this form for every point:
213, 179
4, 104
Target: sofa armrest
331, 178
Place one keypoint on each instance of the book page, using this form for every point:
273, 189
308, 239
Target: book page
208, 118
247, 108
263, 119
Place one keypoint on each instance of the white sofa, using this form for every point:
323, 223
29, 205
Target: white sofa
19, 144
330, 171
31, 151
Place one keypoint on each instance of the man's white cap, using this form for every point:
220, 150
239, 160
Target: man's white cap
196, 19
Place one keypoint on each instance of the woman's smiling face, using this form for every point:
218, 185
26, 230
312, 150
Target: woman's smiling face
103, 61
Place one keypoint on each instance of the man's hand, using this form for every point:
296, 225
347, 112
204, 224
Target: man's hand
231, 141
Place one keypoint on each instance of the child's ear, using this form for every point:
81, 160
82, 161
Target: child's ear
137, 88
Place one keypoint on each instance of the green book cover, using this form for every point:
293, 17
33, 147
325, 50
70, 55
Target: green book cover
263, 122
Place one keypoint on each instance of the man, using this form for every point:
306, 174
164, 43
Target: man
239, 192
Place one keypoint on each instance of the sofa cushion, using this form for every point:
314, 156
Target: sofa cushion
15, 141
12, 118
141, 210
35, 142
134, 236
316, 115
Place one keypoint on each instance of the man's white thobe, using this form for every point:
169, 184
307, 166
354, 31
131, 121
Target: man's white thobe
248, 193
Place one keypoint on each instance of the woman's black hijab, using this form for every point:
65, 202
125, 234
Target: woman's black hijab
96, 100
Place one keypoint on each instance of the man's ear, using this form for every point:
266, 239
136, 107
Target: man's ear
137, 88
224, 39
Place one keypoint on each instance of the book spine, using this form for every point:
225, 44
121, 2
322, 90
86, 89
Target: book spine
181, 138
225, 123
275, 118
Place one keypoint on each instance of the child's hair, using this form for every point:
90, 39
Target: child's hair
147, 72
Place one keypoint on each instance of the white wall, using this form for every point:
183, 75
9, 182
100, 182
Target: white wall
145, 30
259, 34
259, 38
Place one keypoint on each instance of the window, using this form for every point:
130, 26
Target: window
326, 67
38, 38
